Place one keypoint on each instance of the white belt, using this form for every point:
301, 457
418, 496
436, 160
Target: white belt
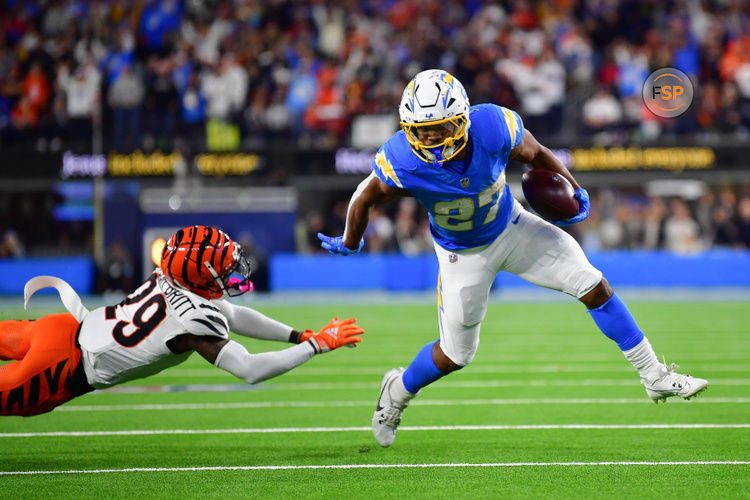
69, 297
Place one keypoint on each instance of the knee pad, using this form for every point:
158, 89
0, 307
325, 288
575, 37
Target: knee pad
461, 350
473, 310
462, 358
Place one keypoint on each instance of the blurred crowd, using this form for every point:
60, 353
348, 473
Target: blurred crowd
719, 218
101, 74
619, 220
622, 218
28, 227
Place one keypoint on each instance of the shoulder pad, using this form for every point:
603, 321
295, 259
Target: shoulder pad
196, 314
206, 319
514, 125
499, 129
392, 159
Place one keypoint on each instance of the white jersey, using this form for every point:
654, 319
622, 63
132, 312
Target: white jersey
129, 340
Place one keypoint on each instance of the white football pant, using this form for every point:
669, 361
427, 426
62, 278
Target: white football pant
529, 247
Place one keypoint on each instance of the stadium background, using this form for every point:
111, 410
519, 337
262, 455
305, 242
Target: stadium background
120, 122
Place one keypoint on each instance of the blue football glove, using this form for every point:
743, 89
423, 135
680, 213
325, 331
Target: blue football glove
584, 205
335, 245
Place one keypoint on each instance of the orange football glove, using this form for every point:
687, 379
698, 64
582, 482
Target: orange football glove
336, 334
306, 335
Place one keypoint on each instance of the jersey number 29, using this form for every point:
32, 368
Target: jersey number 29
143, 324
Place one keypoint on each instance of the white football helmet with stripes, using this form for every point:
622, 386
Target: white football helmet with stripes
435, 98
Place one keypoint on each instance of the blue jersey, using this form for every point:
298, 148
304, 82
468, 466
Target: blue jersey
468, 201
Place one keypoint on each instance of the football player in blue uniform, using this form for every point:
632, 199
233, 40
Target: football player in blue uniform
452, 157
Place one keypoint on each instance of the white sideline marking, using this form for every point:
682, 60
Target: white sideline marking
338, 404
307, 386
551, 367
281, 430
371, 466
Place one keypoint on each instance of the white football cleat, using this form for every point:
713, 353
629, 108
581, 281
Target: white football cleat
672, 383
388, 409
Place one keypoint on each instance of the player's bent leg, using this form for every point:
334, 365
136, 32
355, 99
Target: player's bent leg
14, 339
598, 295
616, 322
50, 372
400, 386
672, 383
392, 401
442, 361
612, 316
547, 256
463, 289
423, 370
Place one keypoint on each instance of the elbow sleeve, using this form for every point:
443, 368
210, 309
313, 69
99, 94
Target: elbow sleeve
254, 368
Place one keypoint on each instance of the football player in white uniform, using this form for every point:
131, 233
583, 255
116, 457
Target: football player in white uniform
452, 157
178, 310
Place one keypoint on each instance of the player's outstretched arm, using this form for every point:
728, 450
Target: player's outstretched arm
371, 191
251, 323
336, 334
530, 151
253, 368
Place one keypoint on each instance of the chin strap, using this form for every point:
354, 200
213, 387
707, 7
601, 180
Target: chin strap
69, 297
435, 154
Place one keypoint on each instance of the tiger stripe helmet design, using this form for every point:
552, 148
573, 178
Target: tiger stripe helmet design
206, 261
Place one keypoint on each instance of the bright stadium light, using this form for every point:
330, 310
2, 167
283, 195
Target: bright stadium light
156, 248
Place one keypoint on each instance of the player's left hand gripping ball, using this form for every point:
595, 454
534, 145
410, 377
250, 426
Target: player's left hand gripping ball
335, 245
337, 334
584, 206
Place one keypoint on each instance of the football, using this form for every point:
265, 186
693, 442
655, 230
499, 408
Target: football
549, 194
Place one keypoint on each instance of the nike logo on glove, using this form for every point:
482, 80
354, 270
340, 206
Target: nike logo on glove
515, 221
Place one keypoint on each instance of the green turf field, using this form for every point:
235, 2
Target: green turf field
548, 409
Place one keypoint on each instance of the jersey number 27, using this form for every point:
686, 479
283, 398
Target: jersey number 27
456, 215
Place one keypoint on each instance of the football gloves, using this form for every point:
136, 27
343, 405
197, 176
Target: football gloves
337, 334
584, 206
305, 336
335, 245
